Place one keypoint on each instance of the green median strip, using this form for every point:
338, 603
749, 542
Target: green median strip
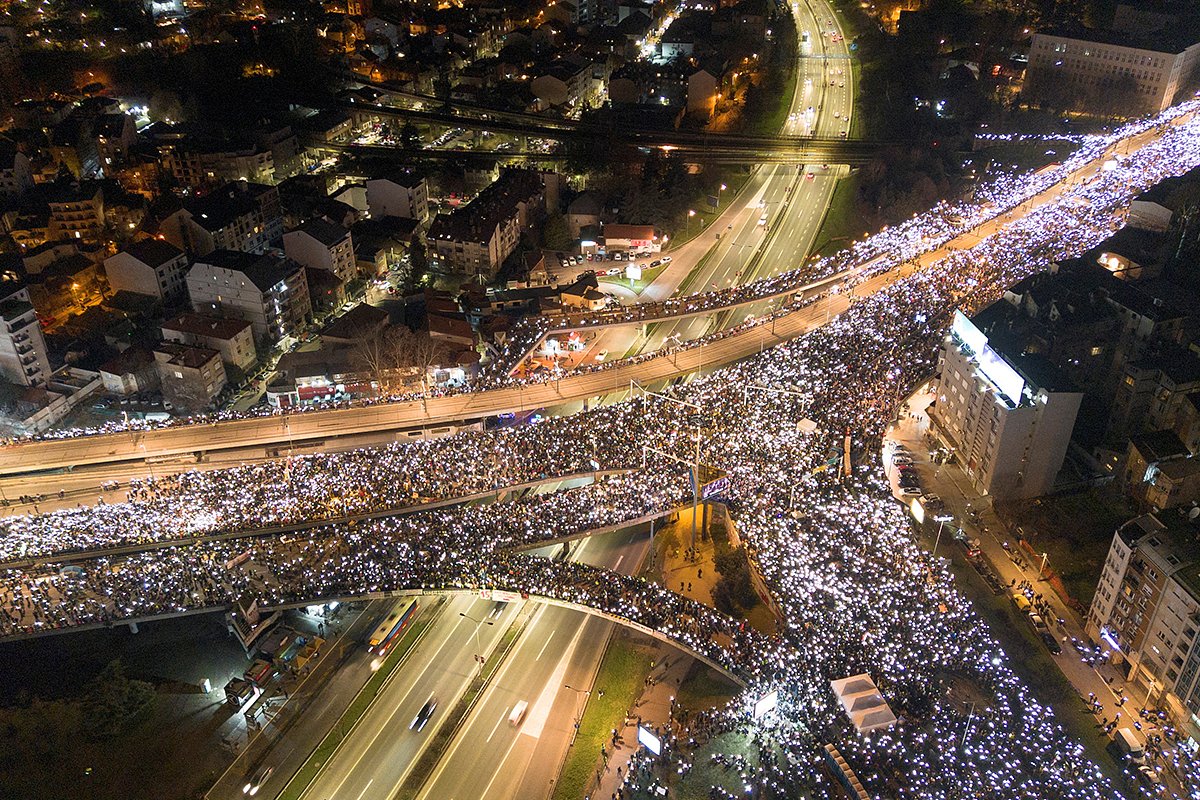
440, 741
621, 678
345, 724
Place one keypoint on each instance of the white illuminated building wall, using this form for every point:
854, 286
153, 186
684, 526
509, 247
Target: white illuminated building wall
1009, 434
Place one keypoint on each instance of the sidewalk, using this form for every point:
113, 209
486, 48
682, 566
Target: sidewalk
654, 709
1101, 688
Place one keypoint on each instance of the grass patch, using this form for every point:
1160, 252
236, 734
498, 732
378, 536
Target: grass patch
704, 688
441, 739
639, 286
842, 223
1075, 531
621, 677
324, 751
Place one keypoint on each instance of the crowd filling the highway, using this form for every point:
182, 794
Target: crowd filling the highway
855, 591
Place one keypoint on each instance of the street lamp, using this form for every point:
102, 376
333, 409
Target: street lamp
691, 213
720, 189
579, 712
478, 646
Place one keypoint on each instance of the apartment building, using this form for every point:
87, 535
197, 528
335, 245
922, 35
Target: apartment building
76, 212
24, 358
267, 291
477, 238
401, 194
191, 377
232, 338
152, 267
1008, 416
318, 244
237, 216
1147, 611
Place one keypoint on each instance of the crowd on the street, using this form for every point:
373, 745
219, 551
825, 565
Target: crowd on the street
855, 590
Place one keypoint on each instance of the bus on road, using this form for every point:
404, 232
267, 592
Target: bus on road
388, 631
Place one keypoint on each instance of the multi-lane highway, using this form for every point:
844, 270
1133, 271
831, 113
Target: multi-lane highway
556, 646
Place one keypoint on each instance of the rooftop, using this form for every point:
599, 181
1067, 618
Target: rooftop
153, 252
202, 325
324, 232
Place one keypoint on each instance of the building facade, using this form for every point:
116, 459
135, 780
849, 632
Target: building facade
151, 267
1146, 610
232, 338
1009, 428
1143, 74
24, 358
267, 291
318, 244
403, 194
191, 377
477, 238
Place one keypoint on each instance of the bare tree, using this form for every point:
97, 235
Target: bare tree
397, 355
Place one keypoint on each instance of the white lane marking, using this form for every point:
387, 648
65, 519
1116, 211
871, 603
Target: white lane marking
619, 560
540, 711
538, 657
497, 725
364, 791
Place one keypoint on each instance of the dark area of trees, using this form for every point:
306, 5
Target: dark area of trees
734, 593
917, 91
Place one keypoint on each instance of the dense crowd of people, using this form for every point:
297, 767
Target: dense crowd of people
855, 591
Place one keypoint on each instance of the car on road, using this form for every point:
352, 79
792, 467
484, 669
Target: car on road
1051, 643
666, 259
602, 355
256, 781
1038, 623
497, 609
613, 271
422, 718
517, 715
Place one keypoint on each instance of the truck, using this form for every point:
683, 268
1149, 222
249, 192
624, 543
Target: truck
238, 691
1130, 746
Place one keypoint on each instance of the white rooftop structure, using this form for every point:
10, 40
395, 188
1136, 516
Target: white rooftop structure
863, 703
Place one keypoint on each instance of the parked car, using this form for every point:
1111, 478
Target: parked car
1051, 642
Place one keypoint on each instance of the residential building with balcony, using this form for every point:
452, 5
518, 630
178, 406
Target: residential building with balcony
477, 238
267, 291
24, 358
1146, 611
238, 216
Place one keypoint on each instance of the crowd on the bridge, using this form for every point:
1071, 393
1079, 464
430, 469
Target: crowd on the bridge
854, 591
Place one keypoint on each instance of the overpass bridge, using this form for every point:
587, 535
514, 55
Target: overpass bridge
805, 149
132, 446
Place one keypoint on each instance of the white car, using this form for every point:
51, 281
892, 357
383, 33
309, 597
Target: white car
517, 715
255, 781
666, 259
602, 355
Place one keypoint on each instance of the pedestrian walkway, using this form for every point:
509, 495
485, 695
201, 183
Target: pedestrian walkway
654, 709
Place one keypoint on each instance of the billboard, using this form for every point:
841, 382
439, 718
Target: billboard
768, 702
964, 329
649, 740
1005, 378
